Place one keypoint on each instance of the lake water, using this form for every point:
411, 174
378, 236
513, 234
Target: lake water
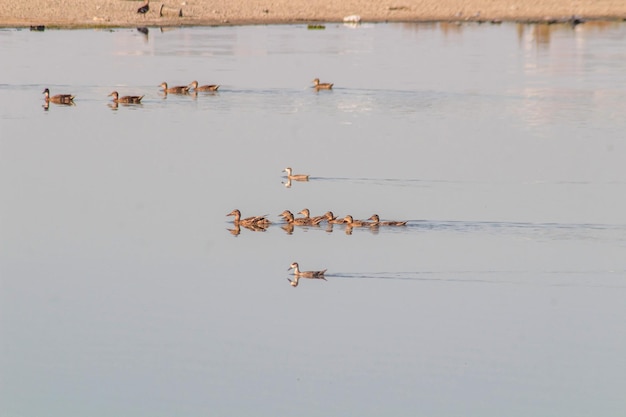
124, 293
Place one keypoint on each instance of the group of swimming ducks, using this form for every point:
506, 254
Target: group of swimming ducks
193, 87
261, 223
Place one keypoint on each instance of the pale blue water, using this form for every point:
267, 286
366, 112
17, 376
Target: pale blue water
123, 293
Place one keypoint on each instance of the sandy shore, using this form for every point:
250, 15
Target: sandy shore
123, 13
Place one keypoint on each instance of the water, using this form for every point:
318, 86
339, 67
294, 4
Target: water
124, 293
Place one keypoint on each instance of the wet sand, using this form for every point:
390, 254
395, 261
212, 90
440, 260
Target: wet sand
123, 13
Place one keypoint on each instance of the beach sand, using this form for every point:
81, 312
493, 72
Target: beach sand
123, 13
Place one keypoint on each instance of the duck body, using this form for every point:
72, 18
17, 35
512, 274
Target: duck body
249, 222
348, 220
203, 88
322, 86
307, 215
376, 222
59, 98
305, 274
300, 221
179, 89
125, 99
295, 177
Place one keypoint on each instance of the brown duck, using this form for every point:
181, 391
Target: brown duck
125, 99
179, 89
307, 215
297, 274
210, 87
322, 86
300, 221
59, 98
295, 177
250, 222
376, 222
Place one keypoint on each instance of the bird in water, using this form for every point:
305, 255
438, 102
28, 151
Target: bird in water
179, 89
125, 99
322, 86
295, 177
297, 274
210, 87
376, 222
144, 9
59, 98
255, 221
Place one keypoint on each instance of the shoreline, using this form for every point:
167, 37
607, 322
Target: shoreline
83, 14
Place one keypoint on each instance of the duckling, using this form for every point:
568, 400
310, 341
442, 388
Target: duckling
295, 177
300, 221
179, 89
59, 98
125, 99
331, 219
322, 86
304, 274
250, 222
210, 87
355, 223
306, 213
144, 9
376, 222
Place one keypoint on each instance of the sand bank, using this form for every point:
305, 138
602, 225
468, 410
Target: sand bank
123, 13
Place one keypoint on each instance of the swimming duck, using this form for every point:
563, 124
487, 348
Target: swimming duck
250, 222
322, 86
295, 177
144, 9
304, 274
179, 89
355, 223
331, 219
306, 213
210, 87
376, 222
300, 221
125, 99
59, 98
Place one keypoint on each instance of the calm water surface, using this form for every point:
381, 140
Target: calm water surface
124, 293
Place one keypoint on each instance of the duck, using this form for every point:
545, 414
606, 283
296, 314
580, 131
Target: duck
322, 86
376, 222
249, 222
295, 177
297, 274
329, 217
300, 221
144, 9
210, 87
306, 213
179, 89
125, 99
59, 98
348, 220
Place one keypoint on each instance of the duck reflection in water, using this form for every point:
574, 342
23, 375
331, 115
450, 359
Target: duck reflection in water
254, 228
297, 274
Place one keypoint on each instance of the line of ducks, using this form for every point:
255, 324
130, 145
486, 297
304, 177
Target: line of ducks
261, 223
68, 99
